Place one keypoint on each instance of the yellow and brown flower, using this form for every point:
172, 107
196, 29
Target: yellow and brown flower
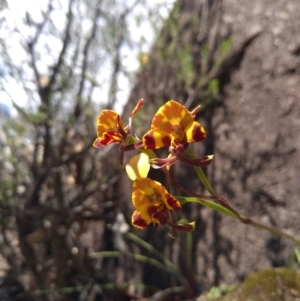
110, 130
173, 126
152, 202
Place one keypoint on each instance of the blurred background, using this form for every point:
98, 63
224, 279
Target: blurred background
65, 207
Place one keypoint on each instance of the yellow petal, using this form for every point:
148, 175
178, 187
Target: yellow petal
107, 121
138, 221
142, 191
169, 115
156, 139
147, 191
146, 211
138, 166
170, 201
195, 132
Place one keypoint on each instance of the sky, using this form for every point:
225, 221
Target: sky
17, 11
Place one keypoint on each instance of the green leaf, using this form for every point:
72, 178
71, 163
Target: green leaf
206, 203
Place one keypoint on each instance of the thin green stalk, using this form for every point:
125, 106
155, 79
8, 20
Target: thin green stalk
165, 261
221, 209
275, 231
171, 267
137, 257
80, 288
201, 174
189, 251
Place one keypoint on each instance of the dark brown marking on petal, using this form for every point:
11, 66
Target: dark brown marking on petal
108, 139
161, 216
138, 221
198, 133
166, 141
149, 141
117, 136
152, 210
172, 202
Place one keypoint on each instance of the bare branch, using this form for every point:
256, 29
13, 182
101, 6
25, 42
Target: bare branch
85, 58
34, 41
117, 58
66, 42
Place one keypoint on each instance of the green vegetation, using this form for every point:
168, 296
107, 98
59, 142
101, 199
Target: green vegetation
278, 284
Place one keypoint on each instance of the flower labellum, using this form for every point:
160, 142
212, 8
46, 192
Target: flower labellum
152, 202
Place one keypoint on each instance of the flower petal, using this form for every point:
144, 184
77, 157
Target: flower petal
195, 110
147, 191
137, 107
202, 161
137, 221
154, 139
173, 124
171, 202
195, 132
159, 217
157, 163
170, 114
138, 166
142, 190
147, 211
108, 138
150, 198
107, 121
187, 227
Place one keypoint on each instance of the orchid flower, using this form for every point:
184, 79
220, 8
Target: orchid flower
110, 130
174, 126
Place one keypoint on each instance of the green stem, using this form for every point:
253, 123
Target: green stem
137, 257
201, 174
242, 218
80, 288
275, 231
139, 241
